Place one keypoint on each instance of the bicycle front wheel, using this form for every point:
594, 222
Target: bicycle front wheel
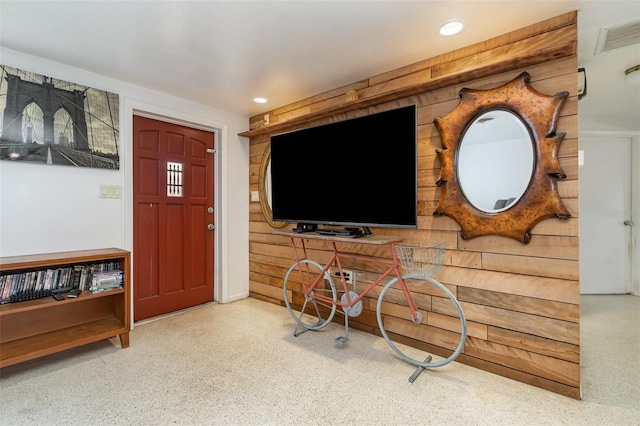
302, 304
425, 283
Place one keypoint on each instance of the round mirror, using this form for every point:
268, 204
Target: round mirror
495, 161
264, 188
500, 146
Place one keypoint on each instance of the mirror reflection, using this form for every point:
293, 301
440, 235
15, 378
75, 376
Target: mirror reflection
267, 184
264, 188
495, 161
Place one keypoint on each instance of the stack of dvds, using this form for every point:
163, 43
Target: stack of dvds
35, 284
105, 281
22, 286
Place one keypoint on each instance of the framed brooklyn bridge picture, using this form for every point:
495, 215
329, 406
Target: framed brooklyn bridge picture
50, 121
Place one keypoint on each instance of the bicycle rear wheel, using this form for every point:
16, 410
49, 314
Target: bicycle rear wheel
307, 311
426, 363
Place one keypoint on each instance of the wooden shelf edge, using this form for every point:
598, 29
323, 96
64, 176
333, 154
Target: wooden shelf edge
35, 261
45, 302
33, 347
530, 58
368, 240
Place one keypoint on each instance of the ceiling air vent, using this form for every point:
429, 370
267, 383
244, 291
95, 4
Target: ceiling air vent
620, 35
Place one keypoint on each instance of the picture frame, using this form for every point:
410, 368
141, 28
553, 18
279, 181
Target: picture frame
46, 120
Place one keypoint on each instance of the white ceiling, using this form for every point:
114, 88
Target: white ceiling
224, 53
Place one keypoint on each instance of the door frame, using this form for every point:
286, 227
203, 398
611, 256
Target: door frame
131, 108
635, 197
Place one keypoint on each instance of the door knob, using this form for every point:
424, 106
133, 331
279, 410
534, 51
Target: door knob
628, 223
211, 227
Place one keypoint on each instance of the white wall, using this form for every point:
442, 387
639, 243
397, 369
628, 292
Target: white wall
56, 208
635, 208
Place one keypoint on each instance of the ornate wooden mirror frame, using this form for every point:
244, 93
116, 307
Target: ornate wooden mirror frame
540, 199
263, 183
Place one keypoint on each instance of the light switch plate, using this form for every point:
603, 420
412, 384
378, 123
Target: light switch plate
110, 191
255, 196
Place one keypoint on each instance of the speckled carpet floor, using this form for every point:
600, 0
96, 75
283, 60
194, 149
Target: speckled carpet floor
238, 364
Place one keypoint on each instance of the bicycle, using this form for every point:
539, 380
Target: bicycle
311, 296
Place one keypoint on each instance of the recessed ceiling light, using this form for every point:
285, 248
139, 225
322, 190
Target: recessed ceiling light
452, 27
260, 100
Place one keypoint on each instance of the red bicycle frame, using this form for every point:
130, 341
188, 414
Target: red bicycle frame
300, 252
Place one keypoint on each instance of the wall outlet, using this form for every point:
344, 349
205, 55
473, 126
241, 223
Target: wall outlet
349, 275
266, 119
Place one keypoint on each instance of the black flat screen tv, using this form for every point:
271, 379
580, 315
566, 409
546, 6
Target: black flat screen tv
359, 172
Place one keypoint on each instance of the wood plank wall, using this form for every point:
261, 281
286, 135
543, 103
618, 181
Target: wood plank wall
521, 301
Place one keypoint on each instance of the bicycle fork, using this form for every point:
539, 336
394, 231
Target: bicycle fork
416, 317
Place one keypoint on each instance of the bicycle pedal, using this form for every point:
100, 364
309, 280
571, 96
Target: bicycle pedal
341, 339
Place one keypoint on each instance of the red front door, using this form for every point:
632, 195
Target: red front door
173, 210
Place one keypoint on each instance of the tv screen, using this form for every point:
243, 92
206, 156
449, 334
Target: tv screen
356, 172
